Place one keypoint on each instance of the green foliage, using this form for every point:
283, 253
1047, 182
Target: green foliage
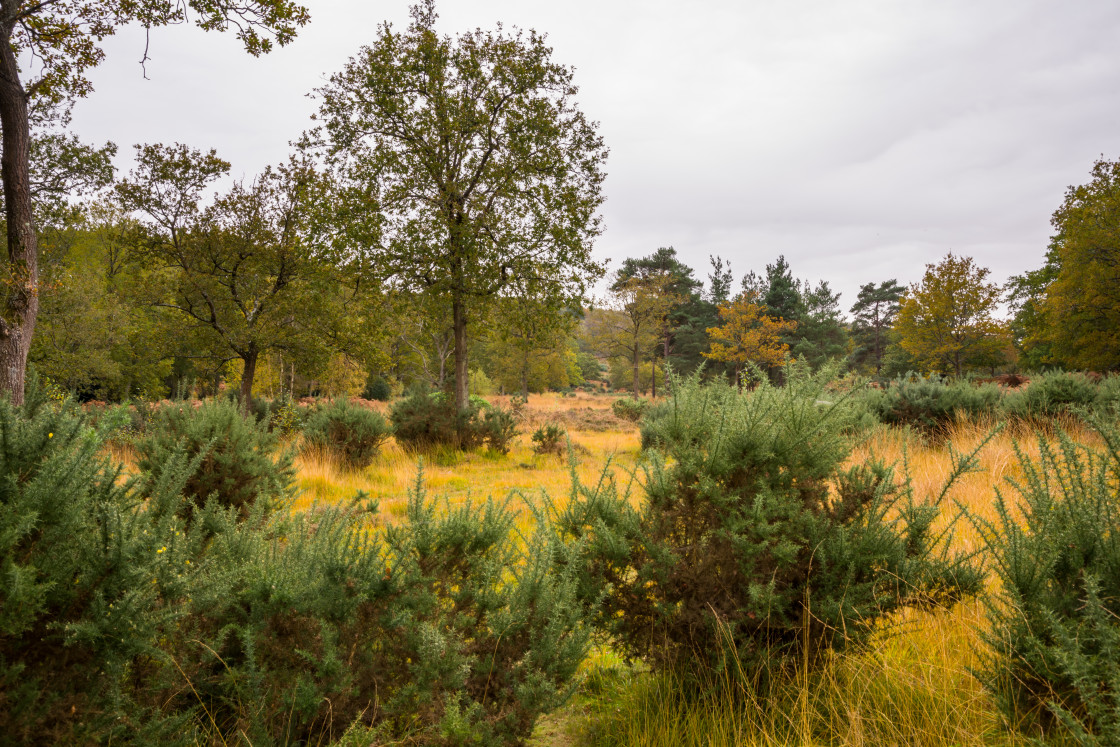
549, 439
931, 404
629, 408
1054, 394
446, 630
378, 389
1054, 662
286, 417
755, 541
487, 175
352, 433
122, 623
498, 428
239, 461
423, 421
89, 575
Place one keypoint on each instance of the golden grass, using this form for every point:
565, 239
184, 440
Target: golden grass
477, 475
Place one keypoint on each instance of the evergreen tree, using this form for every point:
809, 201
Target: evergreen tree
874, 312
821, 333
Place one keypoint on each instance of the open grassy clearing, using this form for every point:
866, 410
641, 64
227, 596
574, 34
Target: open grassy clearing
914, 687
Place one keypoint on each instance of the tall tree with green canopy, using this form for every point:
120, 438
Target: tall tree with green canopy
469, 166
1081, 279
246, 272
874, 312
684, 288
821, 334
946, 323
1030, 326
46, 48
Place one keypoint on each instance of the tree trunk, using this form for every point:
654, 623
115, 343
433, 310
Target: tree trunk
525, 377
665, 357
21, 295
637, 371
653, 377
459, 324
250, 371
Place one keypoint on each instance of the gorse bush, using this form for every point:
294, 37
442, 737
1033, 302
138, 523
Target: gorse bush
629, 408
444, 630
549, 439
240, 461
378, 389
930, 405
121, 622
1054, 664
423, 421
286, 416
1051, 395
755, 544
89, 579
352, 434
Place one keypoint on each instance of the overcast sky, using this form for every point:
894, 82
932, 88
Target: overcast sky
862, 139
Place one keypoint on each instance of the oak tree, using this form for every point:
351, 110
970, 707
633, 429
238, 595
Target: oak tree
469, 166
946, 323
630, 326
1078, 289
46, 48
244, 272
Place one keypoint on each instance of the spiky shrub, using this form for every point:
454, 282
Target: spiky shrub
1054, 663
422, 421
628, 408
930, 405
286, 416
549, 439
755, 544
352, 434
498, 428
1052, 395
378, 389
92, 571
240, 461
445, 630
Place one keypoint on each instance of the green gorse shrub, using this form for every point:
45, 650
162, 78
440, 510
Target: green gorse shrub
549, 439
122, 622
756, 546
1054, 640
629, 408
423, 421
931, 405
351, 433
239, 461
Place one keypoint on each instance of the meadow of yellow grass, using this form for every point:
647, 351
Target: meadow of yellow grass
478, 475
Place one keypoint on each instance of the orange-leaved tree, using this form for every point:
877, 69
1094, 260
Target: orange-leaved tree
749, 335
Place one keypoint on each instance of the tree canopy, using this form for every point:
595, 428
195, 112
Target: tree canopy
46, 49
946, 322
466, 166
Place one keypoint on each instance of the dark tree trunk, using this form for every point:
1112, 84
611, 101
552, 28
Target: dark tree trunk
665, 357
653, 377
637, 371
21, 294
459, 324
525, 377
247, 376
